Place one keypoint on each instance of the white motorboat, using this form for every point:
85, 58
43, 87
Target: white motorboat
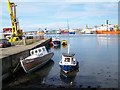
68, 62
38, 57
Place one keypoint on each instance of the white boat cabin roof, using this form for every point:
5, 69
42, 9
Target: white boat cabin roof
39, 51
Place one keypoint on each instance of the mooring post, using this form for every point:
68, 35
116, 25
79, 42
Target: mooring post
24, 41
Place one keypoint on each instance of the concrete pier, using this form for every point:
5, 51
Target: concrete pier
10, 56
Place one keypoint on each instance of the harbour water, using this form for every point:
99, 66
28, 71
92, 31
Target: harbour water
98, 65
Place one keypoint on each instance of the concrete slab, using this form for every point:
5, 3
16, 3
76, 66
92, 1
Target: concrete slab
18, 48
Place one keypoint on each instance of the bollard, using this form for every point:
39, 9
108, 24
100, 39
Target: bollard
24, 42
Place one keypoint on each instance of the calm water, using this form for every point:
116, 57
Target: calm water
98, 65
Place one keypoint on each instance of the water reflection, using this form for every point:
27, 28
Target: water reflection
95, 59
64, 46
57, 47
34, 78
106, 40
41, 73
69, 77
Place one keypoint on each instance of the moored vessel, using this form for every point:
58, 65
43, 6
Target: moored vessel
38, 57
68, 62
107, 29
71, 31
107, 32
56, 42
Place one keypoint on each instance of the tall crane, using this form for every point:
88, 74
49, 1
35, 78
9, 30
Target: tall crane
16, 32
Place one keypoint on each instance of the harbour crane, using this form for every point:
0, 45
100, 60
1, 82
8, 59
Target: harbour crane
16, 31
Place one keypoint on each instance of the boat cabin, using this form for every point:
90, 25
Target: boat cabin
56, 42
68, 59
39, 51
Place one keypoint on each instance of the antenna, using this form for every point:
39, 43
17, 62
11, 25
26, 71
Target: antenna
68, 36
68, 24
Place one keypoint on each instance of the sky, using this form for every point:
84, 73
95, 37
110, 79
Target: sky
53, 14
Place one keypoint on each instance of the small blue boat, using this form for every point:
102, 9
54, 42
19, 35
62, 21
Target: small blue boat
56, 42
68, 62
71, 32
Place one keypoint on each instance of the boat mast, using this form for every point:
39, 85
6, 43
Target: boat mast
107, 24
68, 37
68, 24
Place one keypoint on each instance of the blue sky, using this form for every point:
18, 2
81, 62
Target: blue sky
34, 14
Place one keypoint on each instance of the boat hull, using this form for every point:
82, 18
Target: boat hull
64, 42
30, 65
69, 68
71, 32
107, 32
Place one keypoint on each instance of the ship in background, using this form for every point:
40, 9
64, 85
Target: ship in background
7, 32
107, 29
70, 31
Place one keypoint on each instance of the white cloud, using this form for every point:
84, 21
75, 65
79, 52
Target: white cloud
91, 9
55, 25
63, 1
0, 18
33, 15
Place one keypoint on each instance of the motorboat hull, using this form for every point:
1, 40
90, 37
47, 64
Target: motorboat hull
30, 65
69, 68
107, 32
71, 32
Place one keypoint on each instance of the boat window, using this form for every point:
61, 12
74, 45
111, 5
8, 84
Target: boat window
39, 50
32, 52
72, 59
67, 60
43, 49
35, 51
